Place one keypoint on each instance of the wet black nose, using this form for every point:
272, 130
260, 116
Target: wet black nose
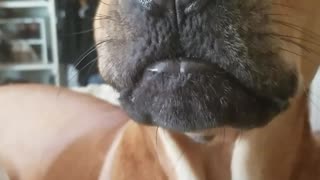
175, 5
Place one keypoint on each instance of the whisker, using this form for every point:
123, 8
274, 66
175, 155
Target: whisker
297, 44
286, 6
114, 17
291, 40
311, 34
103, 16
309, 50
292, 52
102, 2
278, 14
81, 32
87, 53
83, 68
98, 18
75, 74
305, 48
81, 59
297, 38
91, 66
299, 55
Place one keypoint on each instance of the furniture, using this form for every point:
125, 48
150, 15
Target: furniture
31, 27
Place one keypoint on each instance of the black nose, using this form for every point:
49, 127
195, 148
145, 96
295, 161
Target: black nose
175, 5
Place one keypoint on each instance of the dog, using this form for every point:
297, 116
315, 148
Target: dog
214, 90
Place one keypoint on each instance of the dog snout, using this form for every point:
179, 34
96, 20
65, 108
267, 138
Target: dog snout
190, 65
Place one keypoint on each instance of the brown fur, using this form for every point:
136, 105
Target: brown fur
53, 133
47, 133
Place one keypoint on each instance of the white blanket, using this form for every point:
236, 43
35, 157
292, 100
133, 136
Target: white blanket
104, 92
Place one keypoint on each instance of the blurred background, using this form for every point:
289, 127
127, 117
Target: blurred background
47, 41
51, 42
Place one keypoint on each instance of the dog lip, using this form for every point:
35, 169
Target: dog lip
183, 65
179, 67
162, 68
195, 66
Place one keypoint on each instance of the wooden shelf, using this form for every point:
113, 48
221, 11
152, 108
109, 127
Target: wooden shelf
25, 67
23, 4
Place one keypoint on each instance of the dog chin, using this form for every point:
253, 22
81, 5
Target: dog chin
196, 102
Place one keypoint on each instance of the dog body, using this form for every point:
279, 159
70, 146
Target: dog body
71, 136
283, 149
99, 143
31, 143
262, 154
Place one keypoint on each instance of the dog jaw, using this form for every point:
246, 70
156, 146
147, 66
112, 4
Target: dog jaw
255, 83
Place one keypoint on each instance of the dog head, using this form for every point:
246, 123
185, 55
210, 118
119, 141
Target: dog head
193, 65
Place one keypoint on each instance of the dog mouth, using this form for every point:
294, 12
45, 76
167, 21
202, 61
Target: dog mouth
224, 67
187, 95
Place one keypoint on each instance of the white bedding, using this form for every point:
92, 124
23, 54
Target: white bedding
104, 92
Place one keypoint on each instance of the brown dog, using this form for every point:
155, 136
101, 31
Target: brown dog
220, 87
